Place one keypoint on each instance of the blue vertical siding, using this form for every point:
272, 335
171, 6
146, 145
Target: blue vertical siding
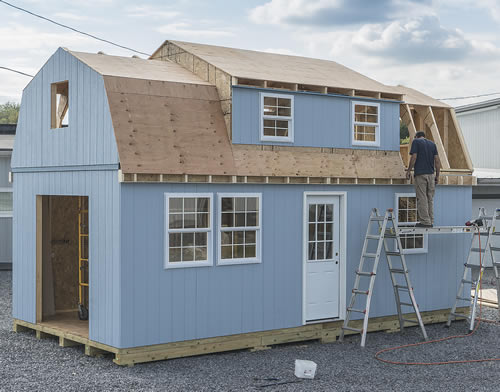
89, 138
102, 188
179, 304
319, 120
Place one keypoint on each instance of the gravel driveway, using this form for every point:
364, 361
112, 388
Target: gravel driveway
27, 364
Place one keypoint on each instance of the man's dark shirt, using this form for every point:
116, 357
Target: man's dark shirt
425, 150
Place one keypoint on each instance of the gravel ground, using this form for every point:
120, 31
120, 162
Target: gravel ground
27, 364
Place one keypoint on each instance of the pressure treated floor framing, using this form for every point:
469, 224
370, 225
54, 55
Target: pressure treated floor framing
70, 333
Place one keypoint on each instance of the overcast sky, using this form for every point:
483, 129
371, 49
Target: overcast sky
445, 48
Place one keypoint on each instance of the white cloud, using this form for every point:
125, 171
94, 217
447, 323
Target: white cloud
69, 16
186, 30
148, 11
335, 12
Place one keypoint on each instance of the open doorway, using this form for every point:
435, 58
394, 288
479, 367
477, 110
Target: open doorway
63, 262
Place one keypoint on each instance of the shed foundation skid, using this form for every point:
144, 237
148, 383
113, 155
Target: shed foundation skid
327, 332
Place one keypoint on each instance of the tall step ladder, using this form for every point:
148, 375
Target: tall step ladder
473, 272
83, 258
386, 236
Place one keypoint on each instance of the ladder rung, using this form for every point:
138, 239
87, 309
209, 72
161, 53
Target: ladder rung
356, 291
495, 233
406, 304
469, 265
393, 253
379, 218
84, 284
362, 273
463, 298
398, 271
370, 255
410, 321
356, 310
372, 237
399, 287
477, 250
353, 329
495, 249
389, 235
459, 315
467, 281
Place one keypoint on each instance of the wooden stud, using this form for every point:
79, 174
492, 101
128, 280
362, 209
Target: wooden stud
445, 131
428, 117
461, 140
42, 335
63, 342
260, 348
39, 257
19, 328
92, 351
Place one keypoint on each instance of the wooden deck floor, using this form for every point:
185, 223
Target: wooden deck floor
68, 322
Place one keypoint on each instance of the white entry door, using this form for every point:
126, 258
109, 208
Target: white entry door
321, 220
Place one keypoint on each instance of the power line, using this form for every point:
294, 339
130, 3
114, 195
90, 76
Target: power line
13, 70
73, 29
470, 96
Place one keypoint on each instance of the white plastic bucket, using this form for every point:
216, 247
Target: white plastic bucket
304, 368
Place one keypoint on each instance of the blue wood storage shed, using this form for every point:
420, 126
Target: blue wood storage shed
211, 199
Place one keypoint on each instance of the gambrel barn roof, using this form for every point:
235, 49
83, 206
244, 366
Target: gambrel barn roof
171, 114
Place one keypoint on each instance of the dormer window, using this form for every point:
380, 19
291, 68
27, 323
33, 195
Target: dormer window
59, 98
276, 117
365, 124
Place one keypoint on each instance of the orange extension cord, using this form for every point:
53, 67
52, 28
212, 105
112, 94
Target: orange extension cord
479, 320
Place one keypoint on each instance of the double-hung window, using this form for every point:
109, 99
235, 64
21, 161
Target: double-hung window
188, 230
5, 202
276, 117
365, 124
406, 215
239, 228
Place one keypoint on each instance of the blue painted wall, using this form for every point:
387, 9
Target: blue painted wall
89, 138
319, 121
172, 305
5, 222
102, 188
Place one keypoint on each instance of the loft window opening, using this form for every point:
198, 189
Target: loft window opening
276, 117
59, 97
365, 124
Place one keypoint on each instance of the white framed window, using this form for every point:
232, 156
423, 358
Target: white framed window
240, 235
6, 202
365, 124
276, 124
406, 215
188, 230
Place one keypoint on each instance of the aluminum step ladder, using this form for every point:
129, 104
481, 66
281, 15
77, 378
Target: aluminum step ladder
367, 272
473, 272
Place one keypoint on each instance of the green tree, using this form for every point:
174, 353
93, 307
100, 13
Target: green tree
9, 112
404, 135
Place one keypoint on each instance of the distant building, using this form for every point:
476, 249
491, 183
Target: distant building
480, 123
7, 133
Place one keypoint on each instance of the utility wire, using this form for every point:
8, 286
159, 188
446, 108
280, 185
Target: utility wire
454, 98
13, 70
73, 29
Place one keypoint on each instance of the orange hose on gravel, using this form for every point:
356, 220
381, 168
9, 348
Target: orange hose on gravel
479, 319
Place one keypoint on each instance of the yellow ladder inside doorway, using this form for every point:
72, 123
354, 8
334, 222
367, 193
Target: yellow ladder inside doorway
83, 252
